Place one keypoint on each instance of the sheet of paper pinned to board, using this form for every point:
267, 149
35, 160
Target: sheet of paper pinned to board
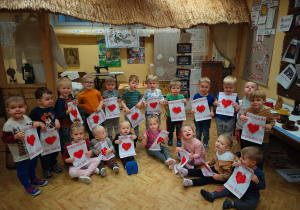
195, 76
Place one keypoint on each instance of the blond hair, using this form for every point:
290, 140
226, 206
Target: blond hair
153, 117
152, 78
13, 98
76, 125
175, 83
124, 122
230, 80
228, 138
256, 85
185, 125
110, 79
133, 78
205, 80
258, 93
63, 80
254, 153
97, 128
87, 76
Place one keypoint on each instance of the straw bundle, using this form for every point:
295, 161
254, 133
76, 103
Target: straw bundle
156, 13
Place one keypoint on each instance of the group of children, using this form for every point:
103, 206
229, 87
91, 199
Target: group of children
46, 116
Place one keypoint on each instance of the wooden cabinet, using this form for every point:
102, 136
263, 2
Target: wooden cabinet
213, 70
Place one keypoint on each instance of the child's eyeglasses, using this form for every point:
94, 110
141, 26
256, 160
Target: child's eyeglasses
88, 83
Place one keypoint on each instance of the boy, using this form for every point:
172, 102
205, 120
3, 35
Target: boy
225, 124
153, 92
13, 135
204, 125
250, 157
45, 113
175, 87
257, 99
132, 98
110, 92
89, 99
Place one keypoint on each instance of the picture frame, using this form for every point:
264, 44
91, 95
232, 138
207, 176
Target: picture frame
72, 57
185, 84
164, 86
291, 53
183, 73
184, 47
184, 60
185, 93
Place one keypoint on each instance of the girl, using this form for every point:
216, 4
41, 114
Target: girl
77, 133
128, 162
150, 136
222, 161
193, 146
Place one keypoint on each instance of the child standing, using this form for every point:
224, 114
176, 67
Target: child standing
175, 87
150, 136
251, 156
83, 174
13, 135
153, 92
222, 161
45, 113
225, 124
111, 92
100, 135
132, 98
89, 99
193, 146
128, 162
204, 125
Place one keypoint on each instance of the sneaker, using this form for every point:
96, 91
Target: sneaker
129, 168
182, 171
47, 173
188, 166
178, 143
116, 169
205, 146
170, 161
39, 182
170, 142
207, 195
56, 169
32, 191
96, 171
171, 167
135, 167
187, 182
103, 172
227, 204
84, 179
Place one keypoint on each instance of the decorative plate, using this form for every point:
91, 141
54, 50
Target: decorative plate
160, 71
171, 59
159, 57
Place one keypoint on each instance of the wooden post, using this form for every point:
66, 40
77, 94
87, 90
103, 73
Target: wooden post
3, 80
235, 70
46, 45
209, 56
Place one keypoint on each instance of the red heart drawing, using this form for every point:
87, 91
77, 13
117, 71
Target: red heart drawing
135, 116
126, 146
96, 119
226, 102
183, 160
240, 178
176, 110
206, 166
112, 107
74, 112
31, 139
159, 140
50, 140
200, 108
253, 127
78, 154
153, 105
103, 151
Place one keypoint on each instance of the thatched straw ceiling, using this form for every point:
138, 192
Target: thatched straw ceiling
156, 13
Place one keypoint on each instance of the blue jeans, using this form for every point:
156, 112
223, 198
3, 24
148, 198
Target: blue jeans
146, 118
26, 171
65, 138
203, 127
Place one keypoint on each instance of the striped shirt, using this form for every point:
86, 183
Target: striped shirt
131, 98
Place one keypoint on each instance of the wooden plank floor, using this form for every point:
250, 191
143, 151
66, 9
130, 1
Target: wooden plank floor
154, 187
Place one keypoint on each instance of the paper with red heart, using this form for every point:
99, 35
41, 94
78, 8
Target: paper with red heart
78, 151
206, 171
156, 144
32, 141
126, 148
239, 181
184, 158
201, 108
75, 112
135, 117
239, 123
112, 109
153, 106
226, 101
177, 110
50, 141
253, 129
95, 119
103, 146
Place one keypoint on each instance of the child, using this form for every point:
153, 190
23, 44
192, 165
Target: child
204, 125
62, 110
128, 162
13, 135
153, 92
250, 157
222, 161
77, 133
100, 135
110, 84
132, 98
257, 99
225, 124
89, 99
45, 113
175, 87
150, 136
193, 146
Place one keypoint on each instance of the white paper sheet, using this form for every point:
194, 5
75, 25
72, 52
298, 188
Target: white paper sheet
32, 141
78, 151
50, 141
253, 129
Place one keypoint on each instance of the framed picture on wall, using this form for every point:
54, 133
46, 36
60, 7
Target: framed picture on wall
184, 47
183, 73
185, 60
291, 53
185, 93
185, 84
71, 56
164, 86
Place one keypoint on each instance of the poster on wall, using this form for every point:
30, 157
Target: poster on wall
136, 55
119, 38
110, 57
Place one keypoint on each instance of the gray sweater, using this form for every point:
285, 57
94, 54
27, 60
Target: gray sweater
93, 142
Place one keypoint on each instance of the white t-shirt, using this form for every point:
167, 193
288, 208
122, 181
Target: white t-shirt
227, 156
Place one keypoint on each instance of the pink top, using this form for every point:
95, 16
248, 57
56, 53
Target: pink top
151, 137
196, 147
